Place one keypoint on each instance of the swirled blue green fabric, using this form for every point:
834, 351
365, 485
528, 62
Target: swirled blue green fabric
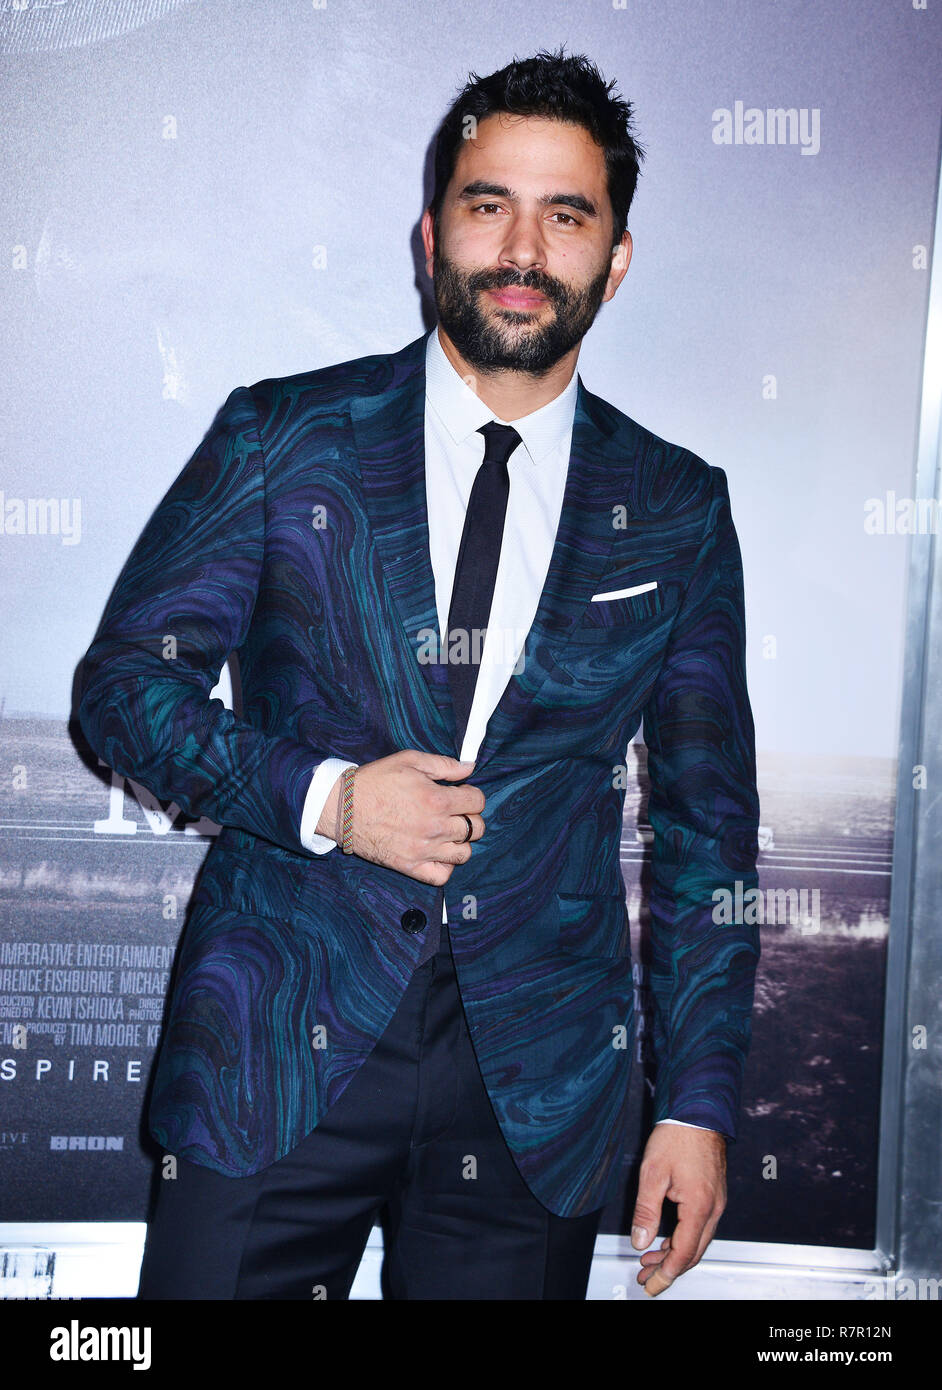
297, 537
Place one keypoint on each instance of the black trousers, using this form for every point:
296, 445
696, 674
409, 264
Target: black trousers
412, 1144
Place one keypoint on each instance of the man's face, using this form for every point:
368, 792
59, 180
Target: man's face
523, 257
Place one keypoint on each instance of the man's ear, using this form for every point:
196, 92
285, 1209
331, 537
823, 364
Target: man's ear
621, 259
428, 239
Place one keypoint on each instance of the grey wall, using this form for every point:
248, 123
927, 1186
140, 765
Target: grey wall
167, 186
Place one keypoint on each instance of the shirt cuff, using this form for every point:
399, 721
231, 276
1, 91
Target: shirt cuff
325, 775
686, 1124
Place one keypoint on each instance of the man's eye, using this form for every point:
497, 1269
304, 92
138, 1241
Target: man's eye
569, 220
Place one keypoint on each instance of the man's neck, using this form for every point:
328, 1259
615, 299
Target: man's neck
511, 395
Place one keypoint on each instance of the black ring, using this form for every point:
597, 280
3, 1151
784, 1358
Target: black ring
470, 828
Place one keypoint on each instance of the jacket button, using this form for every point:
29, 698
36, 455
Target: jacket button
413, 919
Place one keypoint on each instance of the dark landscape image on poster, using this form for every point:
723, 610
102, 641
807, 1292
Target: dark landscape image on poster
95, 877
804, 1168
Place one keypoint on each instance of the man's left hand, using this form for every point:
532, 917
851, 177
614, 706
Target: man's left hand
689, 1167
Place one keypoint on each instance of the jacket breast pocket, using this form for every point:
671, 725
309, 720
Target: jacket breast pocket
606, 665
603, 619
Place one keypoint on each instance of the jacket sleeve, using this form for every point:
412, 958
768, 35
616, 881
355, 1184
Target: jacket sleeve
704, 811
182, 603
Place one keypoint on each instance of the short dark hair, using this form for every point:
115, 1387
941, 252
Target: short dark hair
567, 89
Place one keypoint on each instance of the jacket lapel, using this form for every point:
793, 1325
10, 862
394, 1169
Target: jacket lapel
598, 481
389, 428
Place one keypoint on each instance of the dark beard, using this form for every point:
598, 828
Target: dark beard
489, 346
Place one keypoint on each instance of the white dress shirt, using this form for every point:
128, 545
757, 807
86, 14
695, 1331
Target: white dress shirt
454, 451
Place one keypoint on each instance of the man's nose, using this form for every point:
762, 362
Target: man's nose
524, 246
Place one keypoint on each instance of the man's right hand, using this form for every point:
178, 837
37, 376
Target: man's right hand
404, 820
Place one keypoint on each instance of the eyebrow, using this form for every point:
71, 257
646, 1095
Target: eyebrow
480, 188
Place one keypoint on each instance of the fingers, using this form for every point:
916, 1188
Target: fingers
450, 853
430, 872
454, 847
436, 860
436, 765
406, 819
656, 1283
652, 1189
677, 1255
688, 1165
440, 859
459, 824
682, 1250
707, 1233
454, 801
465, 800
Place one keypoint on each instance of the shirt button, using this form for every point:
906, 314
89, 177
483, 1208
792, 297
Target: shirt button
413, 919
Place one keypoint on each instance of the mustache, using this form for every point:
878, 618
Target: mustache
535, 281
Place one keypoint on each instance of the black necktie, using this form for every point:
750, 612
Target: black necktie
476, 567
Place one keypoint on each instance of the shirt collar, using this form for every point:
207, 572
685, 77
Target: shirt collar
462, 412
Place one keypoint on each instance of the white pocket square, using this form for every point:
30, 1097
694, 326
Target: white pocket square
625, 593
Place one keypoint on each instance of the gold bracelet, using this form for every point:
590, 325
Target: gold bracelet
346, 809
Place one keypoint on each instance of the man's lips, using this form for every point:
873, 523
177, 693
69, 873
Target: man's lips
518, 299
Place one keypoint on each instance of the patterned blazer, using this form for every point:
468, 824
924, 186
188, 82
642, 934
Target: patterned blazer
296, 536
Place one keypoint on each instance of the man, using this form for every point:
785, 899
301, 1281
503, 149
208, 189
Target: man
406, 983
